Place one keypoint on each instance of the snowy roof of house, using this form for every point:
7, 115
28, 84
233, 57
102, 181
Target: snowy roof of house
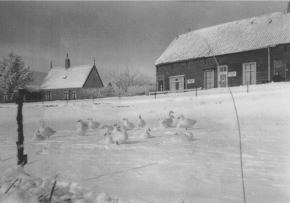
37, 79
62, 78
233, 37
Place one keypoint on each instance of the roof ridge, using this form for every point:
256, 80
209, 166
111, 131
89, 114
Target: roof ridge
231, 22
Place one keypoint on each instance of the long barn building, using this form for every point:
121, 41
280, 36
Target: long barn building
247, 51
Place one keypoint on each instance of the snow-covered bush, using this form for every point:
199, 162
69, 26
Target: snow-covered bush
98, 93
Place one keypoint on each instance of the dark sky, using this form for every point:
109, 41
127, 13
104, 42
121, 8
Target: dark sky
115, 33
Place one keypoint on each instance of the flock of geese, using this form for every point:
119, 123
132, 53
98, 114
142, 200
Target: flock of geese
116, 134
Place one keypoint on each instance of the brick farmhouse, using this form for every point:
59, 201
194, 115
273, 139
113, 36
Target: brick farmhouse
247, 51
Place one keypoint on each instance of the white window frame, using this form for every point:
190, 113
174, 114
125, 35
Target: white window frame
205, 78
244, 72
74, 94
177, 79
225, 72
66, 94
48, 95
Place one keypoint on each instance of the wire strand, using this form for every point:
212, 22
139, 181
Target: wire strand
239, 129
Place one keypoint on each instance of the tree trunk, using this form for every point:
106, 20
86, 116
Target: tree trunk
21, 158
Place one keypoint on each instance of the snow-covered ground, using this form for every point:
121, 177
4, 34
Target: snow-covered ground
159, 169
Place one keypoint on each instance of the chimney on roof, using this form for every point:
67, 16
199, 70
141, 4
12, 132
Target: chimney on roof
67, 62
288, 8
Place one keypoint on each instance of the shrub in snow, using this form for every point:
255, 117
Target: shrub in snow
98, 93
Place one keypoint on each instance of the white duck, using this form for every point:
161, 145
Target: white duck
109, 128
141, 123
81, 129
121, 136
185, 122
145, 134
45, 131
108, 138
37, 136
163, 124
168, 121
182, 137
128, 125
93, 124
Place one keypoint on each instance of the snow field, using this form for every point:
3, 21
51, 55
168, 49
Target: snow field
159, 169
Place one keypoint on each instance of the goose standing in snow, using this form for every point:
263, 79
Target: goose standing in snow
108, 138
121, 136
45, 131
116, 128
163, 124
146, 133
93, 124
108, 128
168, 121
141, 123
81, 129
185, 122
37, 136
128, 125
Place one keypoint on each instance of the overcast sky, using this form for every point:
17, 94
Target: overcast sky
115, 33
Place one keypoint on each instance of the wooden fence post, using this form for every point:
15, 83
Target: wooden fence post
21, 157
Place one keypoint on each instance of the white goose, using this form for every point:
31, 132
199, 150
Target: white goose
141, 123
37, 136
145, 134
81, 129
108, 128
45, 131
128, 125
168, 121
93, 124
108, 138
185, 122
121, 136
163, 124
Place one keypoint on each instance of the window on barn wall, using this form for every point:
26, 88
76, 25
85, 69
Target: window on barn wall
160, 83
280, 67
66, 94
48, 95
176, 82
74, 94
249, 73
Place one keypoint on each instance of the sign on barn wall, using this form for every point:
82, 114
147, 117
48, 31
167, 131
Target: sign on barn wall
190, 81
232, 74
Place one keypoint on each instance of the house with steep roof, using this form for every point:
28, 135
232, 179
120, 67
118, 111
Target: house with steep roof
68, 83
242, 52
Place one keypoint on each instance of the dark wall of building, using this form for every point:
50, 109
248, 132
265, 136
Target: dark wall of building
94, 80
194, 69
32, 96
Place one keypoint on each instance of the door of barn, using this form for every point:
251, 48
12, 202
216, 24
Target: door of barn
209, 79
223, 76
280, 67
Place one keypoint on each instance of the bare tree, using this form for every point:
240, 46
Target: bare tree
130, 77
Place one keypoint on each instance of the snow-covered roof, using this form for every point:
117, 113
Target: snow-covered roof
37, 79
62, 78
238, 36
